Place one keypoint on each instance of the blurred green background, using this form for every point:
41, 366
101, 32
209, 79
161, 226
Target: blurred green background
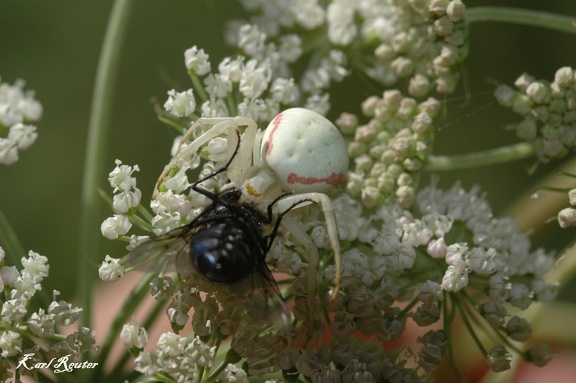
54, 46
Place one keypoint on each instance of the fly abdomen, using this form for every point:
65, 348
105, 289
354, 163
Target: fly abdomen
222, 254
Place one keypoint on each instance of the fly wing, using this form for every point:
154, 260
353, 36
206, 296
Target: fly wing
157, 253
266, 301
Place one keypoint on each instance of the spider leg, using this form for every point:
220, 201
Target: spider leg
236, 170
234, 142
219, 125
293, 201
284, 204
298, 232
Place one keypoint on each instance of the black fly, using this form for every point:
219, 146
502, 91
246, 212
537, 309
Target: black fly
226, 244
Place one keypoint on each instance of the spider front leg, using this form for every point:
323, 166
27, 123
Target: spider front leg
220, 125
297, 231
294, 201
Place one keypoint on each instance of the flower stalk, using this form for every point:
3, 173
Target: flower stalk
478, 159
100, 113
521, 17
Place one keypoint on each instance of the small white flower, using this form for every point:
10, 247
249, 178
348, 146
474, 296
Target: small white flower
201, 352
315, 80
26, 286
10, 343
178, 315
234, 374
16, 105
8, 152
121, 177
126, 200
567, 217
255, 79
8, 276
168, 202
437, 248
215, 108
308, 13
251, 40
481, 261
290, 47
180, 104
455, 279
63, 312
111, 269
13, 310
438, 223
164, 222
41, 323
23, 136
340, 17
218, 86
284, 90
456, 253
179, 181
318, 103
348, 213
134, 335
36, 266
249, 108
171, 344
232, 68
319, 236
218, 149
197, 61
115, 226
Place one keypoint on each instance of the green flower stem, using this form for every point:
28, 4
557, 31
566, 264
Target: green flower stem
136, 297
477, 159
100, 113
198, 87
448, 319
521, 16
9, 241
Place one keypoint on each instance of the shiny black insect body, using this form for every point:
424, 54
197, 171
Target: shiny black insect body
227, 243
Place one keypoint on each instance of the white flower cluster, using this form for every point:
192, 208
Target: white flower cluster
179, 357
18, 326
260, 79
353, 360
390, 149
423, 42
126, 199
436, 249
548, 110
449, 252
17, 109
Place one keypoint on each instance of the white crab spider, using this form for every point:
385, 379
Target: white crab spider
291, 164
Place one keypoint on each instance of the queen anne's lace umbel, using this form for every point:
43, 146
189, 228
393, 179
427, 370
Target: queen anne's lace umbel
411, 254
